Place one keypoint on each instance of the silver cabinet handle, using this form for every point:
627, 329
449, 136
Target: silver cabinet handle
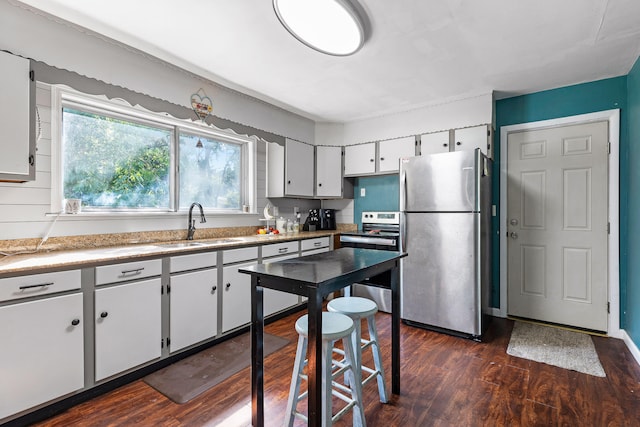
283, 250
317, 244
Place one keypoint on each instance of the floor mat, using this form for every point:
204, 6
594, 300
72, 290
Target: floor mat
554, 346
193, 375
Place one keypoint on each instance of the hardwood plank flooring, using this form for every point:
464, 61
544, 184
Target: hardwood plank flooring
446, 381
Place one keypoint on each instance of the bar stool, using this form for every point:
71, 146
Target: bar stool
335, 326
358, 308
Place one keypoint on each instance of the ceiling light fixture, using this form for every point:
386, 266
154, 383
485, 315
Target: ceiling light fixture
334, 27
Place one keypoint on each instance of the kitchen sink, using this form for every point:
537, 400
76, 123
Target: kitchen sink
179, 245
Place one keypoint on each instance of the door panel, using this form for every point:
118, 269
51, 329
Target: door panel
557, 225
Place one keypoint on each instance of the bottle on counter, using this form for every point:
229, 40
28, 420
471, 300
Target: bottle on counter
296, 224
289, 225
281, 225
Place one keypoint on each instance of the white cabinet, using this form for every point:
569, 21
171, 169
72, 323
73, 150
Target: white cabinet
275, 301
433, 143
457, 140
298, 169
360, 159
472, 138
328, 171
17, 119
290, 169
236, 287
236, 297
193, 307
127, 326
381, 157
42, 355
391, 151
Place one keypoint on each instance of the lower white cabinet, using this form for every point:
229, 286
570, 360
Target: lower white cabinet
127, 326
275, 301
236, 296
42, 354
193, 315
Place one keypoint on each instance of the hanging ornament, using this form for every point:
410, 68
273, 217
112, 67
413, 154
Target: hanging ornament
201, 104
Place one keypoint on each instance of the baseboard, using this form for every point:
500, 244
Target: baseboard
633, 348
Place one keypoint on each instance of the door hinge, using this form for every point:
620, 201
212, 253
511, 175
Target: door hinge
162, 343
168, 341
32, 75
608, 228
168, 289
608, 307
609, 148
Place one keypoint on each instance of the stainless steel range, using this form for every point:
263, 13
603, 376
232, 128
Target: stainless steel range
380, 230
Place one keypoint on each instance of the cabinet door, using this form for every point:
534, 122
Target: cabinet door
128, 326
298, 169
360, 159
42, 355
275, 301
17, 115
275, 170
236, 297
193, 308
433, 143
328, 171
390, 152
472, 138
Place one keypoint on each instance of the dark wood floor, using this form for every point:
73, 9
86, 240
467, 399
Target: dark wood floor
446, 381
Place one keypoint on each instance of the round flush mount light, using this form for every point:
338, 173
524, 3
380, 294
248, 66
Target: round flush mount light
334, 27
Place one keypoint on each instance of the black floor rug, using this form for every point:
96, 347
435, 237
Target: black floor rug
193, 375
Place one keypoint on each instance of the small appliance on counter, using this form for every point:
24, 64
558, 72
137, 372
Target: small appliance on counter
320, 219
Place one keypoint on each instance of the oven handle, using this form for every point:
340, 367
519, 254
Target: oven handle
368, 240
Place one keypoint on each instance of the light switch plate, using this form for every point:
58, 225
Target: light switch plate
363, 192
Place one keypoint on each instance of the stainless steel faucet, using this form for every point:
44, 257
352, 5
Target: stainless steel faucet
192, 222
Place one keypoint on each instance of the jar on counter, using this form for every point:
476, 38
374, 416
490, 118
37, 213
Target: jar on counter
281, 225
289, 226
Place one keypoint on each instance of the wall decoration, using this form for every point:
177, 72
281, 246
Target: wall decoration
201, 104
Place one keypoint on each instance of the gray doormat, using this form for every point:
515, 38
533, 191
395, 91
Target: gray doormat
555, 346
193, 375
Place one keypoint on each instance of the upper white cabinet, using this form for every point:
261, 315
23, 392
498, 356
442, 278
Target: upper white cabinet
360, 159
298, 167
434, 143
391, 151
381, 157
290, 169
17, 119
472, 138
457, 140
328, 171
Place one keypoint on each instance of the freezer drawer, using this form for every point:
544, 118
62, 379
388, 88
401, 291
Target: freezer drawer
440, 275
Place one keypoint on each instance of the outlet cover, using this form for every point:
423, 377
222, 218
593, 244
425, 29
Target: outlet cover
363, 192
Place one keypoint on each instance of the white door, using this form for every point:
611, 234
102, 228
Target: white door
236, 297
433, 143
472, 138
557, 225
328, 171
298, 168
360, 159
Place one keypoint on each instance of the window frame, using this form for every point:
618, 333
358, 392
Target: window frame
65, 97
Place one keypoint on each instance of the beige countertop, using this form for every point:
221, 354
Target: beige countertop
31, 263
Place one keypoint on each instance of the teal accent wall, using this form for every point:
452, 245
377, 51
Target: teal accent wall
382, 194
631, 306
567, 101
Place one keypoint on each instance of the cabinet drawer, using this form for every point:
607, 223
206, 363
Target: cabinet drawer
38, 284
193, 262
242, 254
279, 249
320, 242
128, 271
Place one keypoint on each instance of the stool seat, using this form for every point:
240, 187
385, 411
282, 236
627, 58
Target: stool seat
354, 307
334, 326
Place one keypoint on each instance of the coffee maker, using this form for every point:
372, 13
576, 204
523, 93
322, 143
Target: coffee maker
312, 223
327, 219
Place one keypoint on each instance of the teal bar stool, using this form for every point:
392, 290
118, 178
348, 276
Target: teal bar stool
358, 308
335, 326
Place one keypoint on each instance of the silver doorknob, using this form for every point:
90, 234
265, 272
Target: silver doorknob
513, 235
514, 222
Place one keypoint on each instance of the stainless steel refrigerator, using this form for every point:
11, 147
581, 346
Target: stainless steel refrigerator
445, 204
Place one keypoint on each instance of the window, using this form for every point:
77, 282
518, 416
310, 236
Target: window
117, 158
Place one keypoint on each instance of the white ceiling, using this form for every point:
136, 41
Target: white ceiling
420, 52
